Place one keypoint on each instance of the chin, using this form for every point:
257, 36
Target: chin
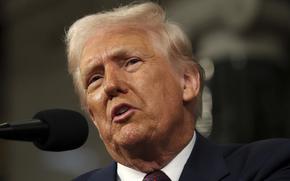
131, 136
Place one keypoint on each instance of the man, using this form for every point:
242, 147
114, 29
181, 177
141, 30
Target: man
139, 83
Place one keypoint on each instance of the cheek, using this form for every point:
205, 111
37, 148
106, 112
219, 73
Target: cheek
166, 86
99, 120
161, 92
96, 109
95, 101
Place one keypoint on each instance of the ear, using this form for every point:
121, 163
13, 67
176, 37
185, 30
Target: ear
191, 82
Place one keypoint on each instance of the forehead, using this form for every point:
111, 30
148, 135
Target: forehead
108, 42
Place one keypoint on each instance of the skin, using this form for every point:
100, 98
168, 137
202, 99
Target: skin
123, 66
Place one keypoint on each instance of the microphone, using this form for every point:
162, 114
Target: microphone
49, 130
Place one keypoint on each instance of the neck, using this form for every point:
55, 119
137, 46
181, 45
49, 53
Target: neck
148, 157
157, 151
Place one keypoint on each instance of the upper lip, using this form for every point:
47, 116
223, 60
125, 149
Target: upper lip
116, 108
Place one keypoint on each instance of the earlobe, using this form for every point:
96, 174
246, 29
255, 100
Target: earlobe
191, 81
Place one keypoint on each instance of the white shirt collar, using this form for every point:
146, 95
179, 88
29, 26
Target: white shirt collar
173, 169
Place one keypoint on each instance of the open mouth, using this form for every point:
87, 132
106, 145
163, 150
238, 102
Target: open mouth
121, 112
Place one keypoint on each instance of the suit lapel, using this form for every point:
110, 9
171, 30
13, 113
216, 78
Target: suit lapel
108, 174
206, 162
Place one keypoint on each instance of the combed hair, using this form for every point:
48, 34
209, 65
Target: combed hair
149, 16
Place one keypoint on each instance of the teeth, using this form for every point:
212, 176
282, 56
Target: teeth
122, 110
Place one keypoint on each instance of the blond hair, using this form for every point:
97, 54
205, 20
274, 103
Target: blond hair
148, 15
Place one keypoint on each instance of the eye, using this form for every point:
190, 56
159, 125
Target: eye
133, 64
94, 78
132, 61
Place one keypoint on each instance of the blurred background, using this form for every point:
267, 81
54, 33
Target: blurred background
242, 45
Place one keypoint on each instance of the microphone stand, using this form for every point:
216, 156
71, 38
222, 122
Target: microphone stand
19, 131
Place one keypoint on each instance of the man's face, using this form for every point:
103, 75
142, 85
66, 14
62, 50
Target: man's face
134, 94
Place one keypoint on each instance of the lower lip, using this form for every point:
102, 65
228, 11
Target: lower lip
123, 117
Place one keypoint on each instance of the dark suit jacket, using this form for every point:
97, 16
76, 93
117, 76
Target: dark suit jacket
264, 160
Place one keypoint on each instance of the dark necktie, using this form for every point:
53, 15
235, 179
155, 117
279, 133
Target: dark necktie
157, 175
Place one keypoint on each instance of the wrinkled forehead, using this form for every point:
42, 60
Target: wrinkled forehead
111, 37
111, 41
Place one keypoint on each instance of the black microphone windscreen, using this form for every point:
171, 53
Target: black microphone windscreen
66, 130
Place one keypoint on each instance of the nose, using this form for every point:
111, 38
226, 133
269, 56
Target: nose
114, 83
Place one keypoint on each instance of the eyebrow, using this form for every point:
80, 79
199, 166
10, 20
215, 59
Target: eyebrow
95, 62
115, 54
118, 53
